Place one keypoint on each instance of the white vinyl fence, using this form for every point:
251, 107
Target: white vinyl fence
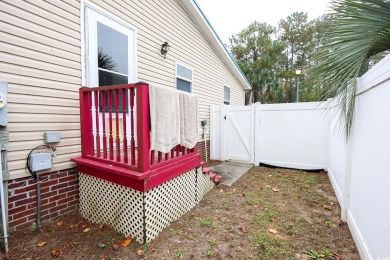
285, 135
302, 136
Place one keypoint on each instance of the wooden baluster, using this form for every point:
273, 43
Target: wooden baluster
97, 136
166, 156
111, 141
173, 152
117, 138
177, 150
159, 157
125, 152
132, 142
152, 157
92, 147
103, 102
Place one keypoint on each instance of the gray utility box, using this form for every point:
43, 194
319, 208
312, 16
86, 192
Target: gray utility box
52, 137
3, 103
40, 162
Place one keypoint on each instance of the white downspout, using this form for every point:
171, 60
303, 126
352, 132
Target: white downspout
3, 216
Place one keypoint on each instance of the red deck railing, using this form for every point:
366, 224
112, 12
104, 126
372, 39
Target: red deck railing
115, 128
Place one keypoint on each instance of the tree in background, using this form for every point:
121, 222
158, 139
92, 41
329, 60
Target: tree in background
269, 57
302, 37
257, 53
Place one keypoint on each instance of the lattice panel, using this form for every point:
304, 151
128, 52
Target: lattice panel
109, 203
168, 202
204, 184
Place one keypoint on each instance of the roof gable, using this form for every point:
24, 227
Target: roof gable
196, 13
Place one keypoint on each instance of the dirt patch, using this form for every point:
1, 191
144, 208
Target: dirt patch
267, 214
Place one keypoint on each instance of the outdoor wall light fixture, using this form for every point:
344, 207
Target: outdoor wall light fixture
164, 49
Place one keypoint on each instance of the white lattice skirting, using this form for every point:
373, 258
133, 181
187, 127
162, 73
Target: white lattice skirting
141, 215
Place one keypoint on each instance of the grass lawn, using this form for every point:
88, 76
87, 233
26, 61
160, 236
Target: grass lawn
269, 213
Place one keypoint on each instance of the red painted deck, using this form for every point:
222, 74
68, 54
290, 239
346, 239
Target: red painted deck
118, 116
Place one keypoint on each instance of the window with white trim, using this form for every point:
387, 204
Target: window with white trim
183, 78
226, 95
110, 50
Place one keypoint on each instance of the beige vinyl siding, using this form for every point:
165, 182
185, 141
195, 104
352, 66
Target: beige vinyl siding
188, 46
41, 60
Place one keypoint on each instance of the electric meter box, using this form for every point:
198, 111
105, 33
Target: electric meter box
40, 162
3, 104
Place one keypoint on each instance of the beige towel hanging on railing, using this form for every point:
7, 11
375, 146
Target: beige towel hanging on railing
188, 119
164, 117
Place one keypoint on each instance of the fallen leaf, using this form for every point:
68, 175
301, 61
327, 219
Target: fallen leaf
273, 231
101, 245
275, 189
243, 229
336, 256
60, 223
126, 242
140, 252
84, 226
327, 207
234, 190
74, 226
56, 252
42, 243
101, 226
87, 229
115, 246
221, 190
256, 206
268, 186
331, 203
270, 175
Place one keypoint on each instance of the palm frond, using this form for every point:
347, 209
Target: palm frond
359, 30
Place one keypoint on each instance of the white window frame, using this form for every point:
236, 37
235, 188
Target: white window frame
182, 78
91, 14
230, 92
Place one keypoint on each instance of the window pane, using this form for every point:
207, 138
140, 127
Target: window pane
112, 49
108, 79
183, 85
184, 72
113, 104
226, 93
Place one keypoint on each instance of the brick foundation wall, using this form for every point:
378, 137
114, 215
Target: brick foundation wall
202, 151
59, 195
